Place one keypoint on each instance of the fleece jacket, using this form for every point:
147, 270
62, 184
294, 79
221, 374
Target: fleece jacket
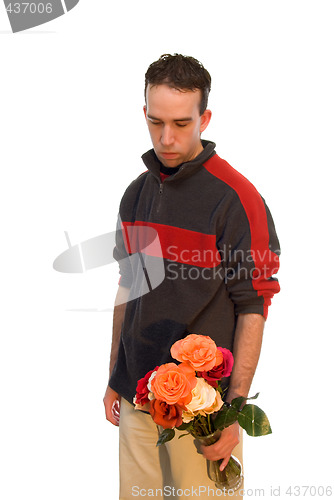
196, 250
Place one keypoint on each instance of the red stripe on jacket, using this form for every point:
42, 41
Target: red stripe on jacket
171, 242
266, 262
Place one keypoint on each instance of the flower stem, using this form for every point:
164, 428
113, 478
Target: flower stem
209, 424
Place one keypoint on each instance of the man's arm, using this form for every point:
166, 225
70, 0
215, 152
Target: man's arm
246, 353
111, 399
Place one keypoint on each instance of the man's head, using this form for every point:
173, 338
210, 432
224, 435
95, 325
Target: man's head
176, 96
181, 73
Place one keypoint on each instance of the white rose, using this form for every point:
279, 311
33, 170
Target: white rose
150, 380
217, 404
187, 416
203, 396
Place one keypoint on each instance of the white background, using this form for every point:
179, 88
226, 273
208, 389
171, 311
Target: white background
72, 133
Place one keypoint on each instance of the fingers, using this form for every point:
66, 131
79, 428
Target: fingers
116, 412
114, 420
112, 406
113, 413
109, 412
218, 450
224, 446
221, 452
224, 462
215, 451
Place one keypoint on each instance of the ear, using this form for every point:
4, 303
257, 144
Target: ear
145, 111
205, 119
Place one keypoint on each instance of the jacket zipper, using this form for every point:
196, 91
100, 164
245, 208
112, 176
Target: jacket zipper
160, 196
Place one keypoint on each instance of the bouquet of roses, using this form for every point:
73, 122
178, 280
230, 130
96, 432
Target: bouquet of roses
188, 397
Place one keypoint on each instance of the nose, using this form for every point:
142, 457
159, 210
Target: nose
167, 136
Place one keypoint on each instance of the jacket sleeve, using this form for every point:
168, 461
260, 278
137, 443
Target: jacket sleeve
122, 256
249, 250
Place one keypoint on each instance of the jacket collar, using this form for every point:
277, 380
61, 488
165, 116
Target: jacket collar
187, 168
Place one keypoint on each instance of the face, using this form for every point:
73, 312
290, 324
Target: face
174, 123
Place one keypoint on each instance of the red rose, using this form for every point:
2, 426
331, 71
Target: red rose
224, 369
142, 391
166, 415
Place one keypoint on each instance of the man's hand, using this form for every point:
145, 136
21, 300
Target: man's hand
112, 400
112, 405
223, 448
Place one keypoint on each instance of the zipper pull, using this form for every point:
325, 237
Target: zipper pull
160, 188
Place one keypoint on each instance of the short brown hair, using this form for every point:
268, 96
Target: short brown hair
181, 73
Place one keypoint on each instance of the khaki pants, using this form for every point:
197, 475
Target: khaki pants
174, 470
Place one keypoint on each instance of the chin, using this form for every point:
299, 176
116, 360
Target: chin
170, 163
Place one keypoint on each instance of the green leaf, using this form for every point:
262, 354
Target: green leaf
254, 421
166, 435
182, 435
254, 397
227, 416
185, 426
221, 390
237, 402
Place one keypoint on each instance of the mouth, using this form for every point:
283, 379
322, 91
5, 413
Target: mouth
169, 156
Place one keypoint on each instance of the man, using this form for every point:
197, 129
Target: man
219, 249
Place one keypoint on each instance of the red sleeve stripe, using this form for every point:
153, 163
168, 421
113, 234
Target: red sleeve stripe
265, 260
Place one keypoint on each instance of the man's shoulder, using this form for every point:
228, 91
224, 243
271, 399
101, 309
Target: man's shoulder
223, 172
131, 192
137, 182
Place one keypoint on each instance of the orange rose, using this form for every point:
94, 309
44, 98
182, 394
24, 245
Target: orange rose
200, 351
168, 416
173, 383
